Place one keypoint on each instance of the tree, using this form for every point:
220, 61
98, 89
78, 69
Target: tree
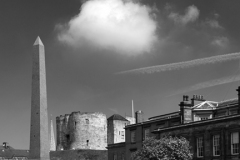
166, 148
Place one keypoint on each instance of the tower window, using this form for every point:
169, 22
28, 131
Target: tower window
87, 142
87, 121
68, 137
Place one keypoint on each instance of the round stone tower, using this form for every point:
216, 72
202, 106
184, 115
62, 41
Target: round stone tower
82, 131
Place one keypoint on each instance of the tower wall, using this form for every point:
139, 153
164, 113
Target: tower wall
82, 131
116, 131
110, 132
119, 131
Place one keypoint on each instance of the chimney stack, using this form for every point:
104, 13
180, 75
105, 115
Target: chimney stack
238, 90
185, 110
139, 116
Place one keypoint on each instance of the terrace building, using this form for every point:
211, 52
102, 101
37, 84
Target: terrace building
212, 129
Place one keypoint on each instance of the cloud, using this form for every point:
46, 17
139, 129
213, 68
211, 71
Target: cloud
125, 26
185, 64
207, 84
191, 15
213, 23
220, 41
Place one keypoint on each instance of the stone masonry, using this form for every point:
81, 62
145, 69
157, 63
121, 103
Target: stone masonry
39, 142
82, 131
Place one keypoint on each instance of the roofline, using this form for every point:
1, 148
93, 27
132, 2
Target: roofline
163, 115
197, 122
122, 144
149, 121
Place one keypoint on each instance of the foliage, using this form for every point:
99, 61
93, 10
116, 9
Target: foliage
166, 148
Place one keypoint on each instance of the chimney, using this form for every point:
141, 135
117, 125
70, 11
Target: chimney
238, 90
185, 110
139, 116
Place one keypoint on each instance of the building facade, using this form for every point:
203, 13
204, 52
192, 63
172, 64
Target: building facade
116, 131
212, 128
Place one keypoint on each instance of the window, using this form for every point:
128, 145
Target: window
216, 145
115, 157
75, 124
122, 134
204, 118
200, 147
146, 133
87, 121
234, 142
123, 156
133, 136
68, 137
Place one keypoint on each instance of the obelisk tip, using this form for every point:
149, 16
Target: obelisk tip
38, 42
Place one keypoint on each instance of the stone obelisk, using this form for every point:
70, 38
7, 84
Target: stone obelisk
39, 142
52, 139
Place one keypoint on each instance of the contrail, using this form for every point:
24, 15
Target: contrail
182, 65
207, 84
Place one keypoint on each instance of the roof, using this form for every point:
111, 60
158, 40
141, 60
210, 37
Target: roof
206, 105
9, 153
117, 117
8, 147
218, 119
165, 116
228, 103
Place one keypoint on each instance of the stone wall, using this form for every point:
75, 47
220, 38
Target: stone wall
79, 155
119, 131
110, 132
207, 130
82, 131
116, 131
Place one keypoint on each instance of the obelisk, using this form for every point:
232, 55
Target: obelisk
52, 139
39, 142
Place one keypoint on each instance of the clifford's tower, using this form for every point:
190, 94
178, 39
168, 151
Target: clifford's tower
39, 142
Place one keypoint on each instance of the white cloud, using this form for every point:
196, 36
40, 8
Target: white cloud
121, 25
214, 24
220, 41
191, 15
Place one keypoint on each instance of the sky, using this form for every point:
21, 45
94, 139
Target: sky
88, 42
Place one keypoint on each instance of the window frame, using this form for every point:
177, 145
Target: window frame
115, 156
202, 147
144, 133
216, 146
122, 135
131, 137
231, 143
